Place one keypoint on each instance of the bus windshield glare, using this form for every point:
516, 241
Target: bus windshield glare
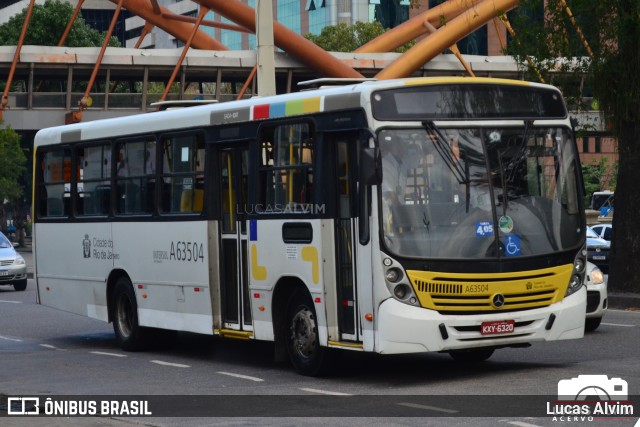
478, 193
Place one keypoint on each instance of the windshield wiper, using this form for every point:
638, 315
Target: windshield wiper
446, 152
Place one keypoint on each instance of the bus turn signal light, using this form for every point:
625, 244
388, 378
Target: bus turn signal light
369, 317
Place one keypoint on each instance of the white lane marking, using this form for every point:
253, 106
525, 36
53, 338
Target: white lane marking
53, 347
331, 393
176, 365
11, 302
244, 377
103, 353
522, 424
428, 408
10, 339
618, 324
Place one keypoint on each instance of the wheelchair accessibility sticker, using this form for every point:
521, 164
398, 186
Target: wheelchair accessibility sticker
512, 245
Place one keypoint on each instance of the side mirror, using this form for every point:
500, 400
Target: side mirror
370, 166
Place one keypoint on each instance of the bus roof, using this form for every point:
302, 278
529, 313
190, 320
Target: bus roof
297, 103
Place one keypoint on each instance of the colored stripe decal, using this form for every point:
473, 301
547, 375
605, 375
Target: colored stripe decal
277, 109
261, 111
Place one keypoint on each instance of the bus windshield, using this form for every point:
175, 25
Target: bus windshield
479, 192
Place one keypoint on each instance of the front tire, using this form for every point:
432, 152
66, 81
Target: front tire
592, 324
471, 356
303, 341
130, 335
20, 285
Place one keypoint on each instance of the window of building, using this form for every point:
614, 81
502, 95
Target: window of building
585, 144
598, 145
288, 14
286, 181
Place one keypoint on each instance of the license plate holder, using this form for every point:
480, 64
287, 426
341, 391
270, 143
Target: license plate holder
498, 327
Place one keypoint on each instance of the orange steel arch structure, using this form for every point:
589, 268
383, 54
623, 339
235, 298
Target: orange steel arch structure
452, 20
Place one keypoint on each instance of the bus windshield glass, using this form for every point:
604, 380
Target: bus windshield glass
479, 192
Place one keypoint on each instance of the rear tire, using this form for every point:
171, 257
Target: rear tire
592, 324
303, 341
20, 285
130, 335
471, 356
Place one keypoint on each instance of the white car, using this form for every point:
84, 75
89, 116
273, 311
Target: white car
605, 231
13, 269
596, 297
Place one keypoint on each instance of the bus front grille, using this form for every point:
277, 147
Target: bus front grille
467, 293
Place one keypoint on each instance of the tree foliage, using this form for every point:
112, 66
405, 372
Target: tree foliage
598, 176
12, 169
47, 24
545, 34
347, 38
12, 164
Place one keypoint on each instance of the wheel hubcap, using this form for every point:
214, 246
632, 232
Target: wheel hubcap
124, 316
303, 333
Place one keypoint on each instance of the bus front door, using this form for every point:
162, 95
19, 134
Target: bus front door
234, 285
344, 145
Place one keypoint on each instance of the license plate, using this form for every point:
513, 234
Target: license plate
599, 257
501, 327
4, 273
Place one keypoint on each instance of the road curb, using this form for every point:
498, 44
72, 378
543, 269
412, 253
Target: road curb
624, 301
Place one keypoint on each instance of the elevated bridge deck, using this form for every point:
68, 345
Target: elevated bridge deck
50, 81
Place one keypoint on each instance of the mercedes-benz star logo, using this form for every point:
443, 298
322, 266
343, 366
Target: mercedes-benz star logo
498, 300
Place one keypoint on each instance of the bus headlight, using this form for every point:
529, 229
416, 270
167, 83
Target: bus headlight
398, 283
400, 291
578, 275
393, 275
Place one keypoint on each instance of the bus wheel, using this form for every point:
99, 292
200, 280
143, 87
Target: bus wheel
303, 341
130, 335
471, 356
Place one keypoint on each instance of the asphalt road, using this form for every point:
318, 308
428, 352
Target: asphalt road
45, 352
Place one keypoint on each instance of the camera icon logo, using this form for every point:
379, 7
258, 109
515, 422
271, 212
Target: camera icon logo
23, 405
593, 388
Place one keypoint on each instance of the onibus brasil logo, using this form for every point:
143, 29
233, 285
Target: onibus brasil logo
592, 396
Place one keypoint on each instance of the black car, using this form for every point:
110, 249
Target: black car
598, 250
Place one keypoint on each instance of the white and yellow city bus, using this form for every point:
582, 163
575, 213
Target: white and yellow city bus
402, 216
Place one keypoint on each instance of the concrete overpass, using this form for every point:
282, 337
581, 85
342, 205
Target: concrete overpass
50, 81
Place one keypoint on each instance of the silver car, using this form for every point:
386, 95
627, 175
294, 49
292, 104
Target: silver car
13, 269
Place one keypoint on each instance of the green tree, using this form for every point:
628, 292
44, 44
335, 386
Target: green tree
347, 38
12, 168
47, 24
596, 176
612, 29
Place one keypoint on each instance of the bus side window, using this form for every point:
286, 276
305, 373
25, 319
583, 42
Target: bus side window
54, 188
135, 175
94, 170
182, 174
287, 168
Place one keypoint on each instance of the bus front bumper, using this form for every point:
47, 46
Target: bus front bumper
407, 329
